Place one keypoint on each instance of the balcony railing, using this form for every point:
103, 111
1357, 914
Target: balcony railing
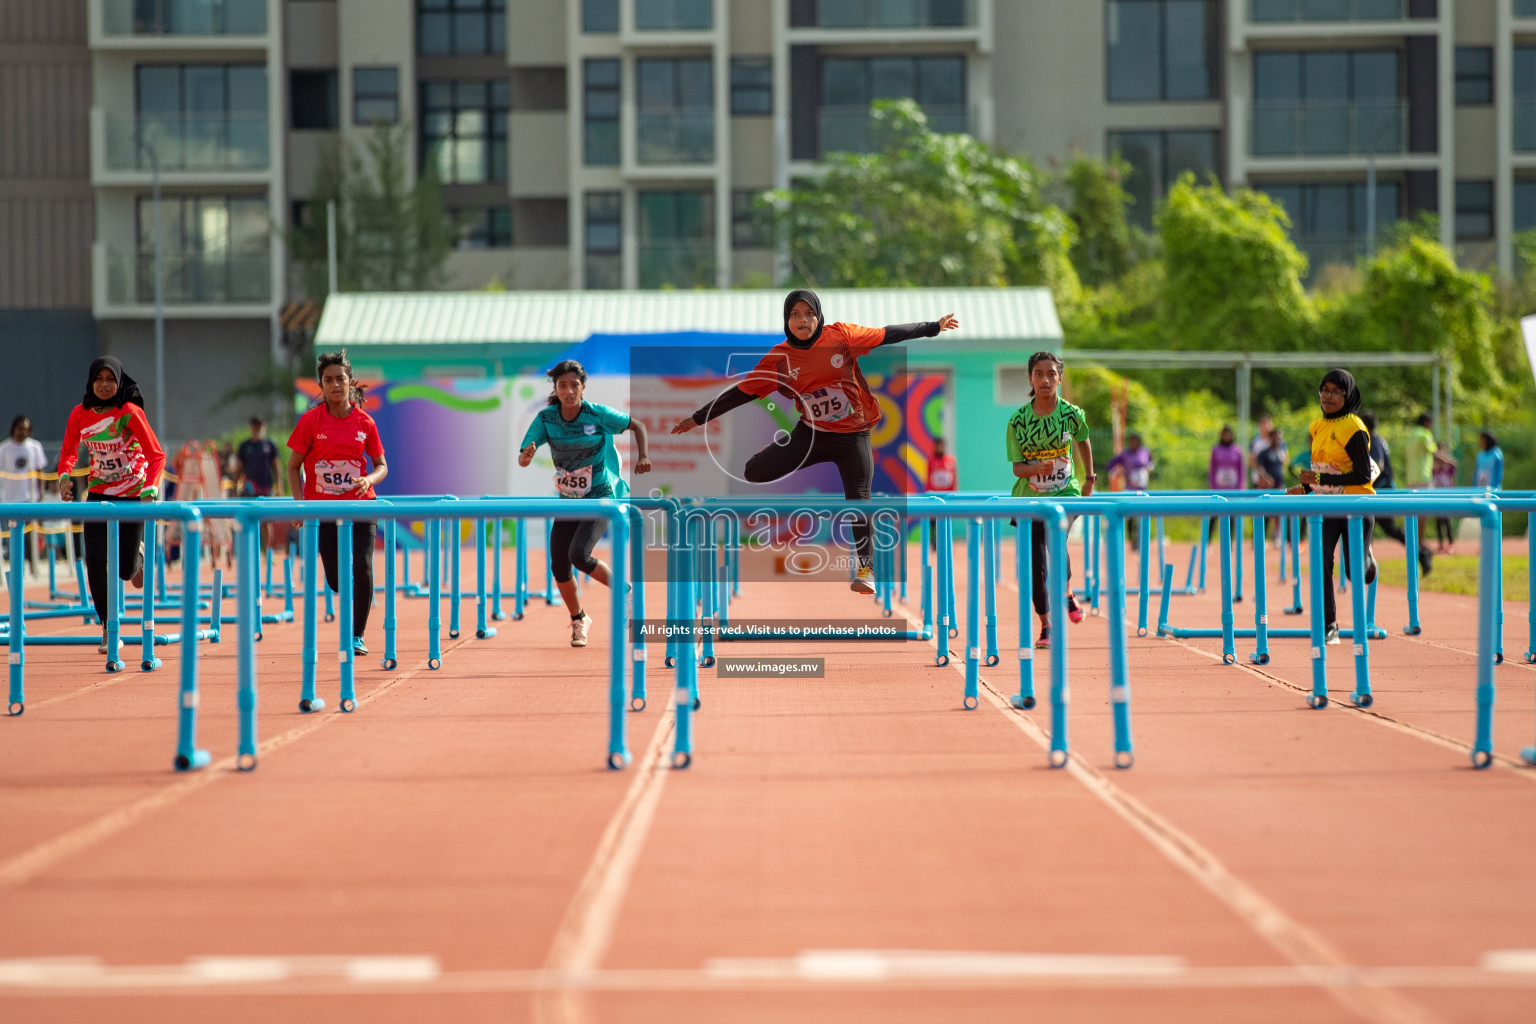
896, 14
1269, 11
243, 278
1329, 129
675, 138
217, 143
674, 15
1525, 126
184, 17
677, 265
850, 129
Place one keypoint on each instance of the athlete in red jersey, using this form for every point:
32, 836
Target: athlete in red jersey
332, 444
817, 366
126, 463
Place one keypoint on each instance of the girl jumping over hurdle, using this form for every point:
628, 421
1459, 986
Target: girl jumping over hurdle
1039, 441
1341, 464
332, 445
817, 366
580, 437
126, 464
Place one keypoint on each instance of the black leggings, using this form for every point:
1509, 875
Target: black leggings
807, 447
1336, 531
129, 558
1041, 565
363, 534
570, 544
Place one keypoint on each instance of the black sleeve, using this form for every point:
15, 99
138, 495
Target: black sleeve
732, 399
897, 333
1358, 448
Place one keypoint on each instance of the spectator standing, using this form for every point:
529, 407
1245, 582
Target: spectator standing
22, 465
1386, 480
1489, 472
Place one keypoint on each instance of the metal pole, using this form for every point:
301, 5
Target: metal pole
154, 158
330, 246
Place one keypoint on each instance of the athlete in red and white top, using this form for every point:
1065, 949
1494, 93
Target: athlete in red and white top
942, 473
817, 367
332, 446
126, 462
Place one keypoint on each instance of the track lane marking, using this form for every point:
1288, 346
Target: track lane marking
24, 866
586, 927
1306, 949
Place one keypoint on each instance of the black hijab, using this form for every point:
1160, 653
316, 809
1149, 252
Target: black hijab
1342, 380
127, 387
802, 295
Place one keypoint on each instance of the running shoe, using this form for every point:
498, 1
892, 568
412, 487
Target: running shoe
864, 582
1044, 642
138, 574
103, 648
1074, 610
1426, 561
359, 646
1331, 636
579, 630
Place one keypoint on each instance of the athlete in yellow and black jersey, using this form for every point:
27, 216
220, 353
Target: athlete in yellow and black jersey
1341, 464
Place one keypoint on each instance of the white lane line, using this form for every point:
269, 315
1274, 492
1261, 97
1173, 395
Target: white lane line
24, 866
1299, 944
1520, 768
587, 926
811, 970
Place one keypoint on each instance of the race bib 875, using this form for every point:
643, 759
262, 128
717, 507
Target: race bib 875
828, 405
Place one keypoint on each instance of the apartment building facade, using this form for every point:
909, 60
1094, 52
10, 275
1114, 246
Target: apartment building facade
599, 144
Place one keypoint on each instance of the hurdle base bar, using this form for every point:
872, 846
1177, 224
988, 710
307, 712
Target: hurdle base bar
1182, 633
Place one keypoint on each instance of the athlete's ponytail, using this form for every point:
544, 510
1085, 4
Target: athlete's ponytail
560, 369
356, 392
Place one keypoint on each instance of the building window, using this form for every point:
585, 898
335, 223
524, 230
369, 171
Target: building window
375, 95
486, 228
677, 238
675, 123
312, 99
214, 249
1157, 159
1331, 222
886, 14
749, 227
203, 116
1474, 211
751, 86
1524, 208
600, 112
179, 18
1474, 75
673, 15
850, 84
1160, 50
604, 235
599, 16
1327, 102
461, 26
464, 129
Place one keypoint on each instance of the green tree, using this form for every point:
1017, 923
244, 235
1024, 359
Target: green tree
1233, 275
1102, 250
392, 233
924, 209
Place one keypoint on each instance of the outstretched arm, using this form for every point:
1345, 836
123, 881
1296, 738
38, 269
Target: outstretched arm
897, 333
732, 399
